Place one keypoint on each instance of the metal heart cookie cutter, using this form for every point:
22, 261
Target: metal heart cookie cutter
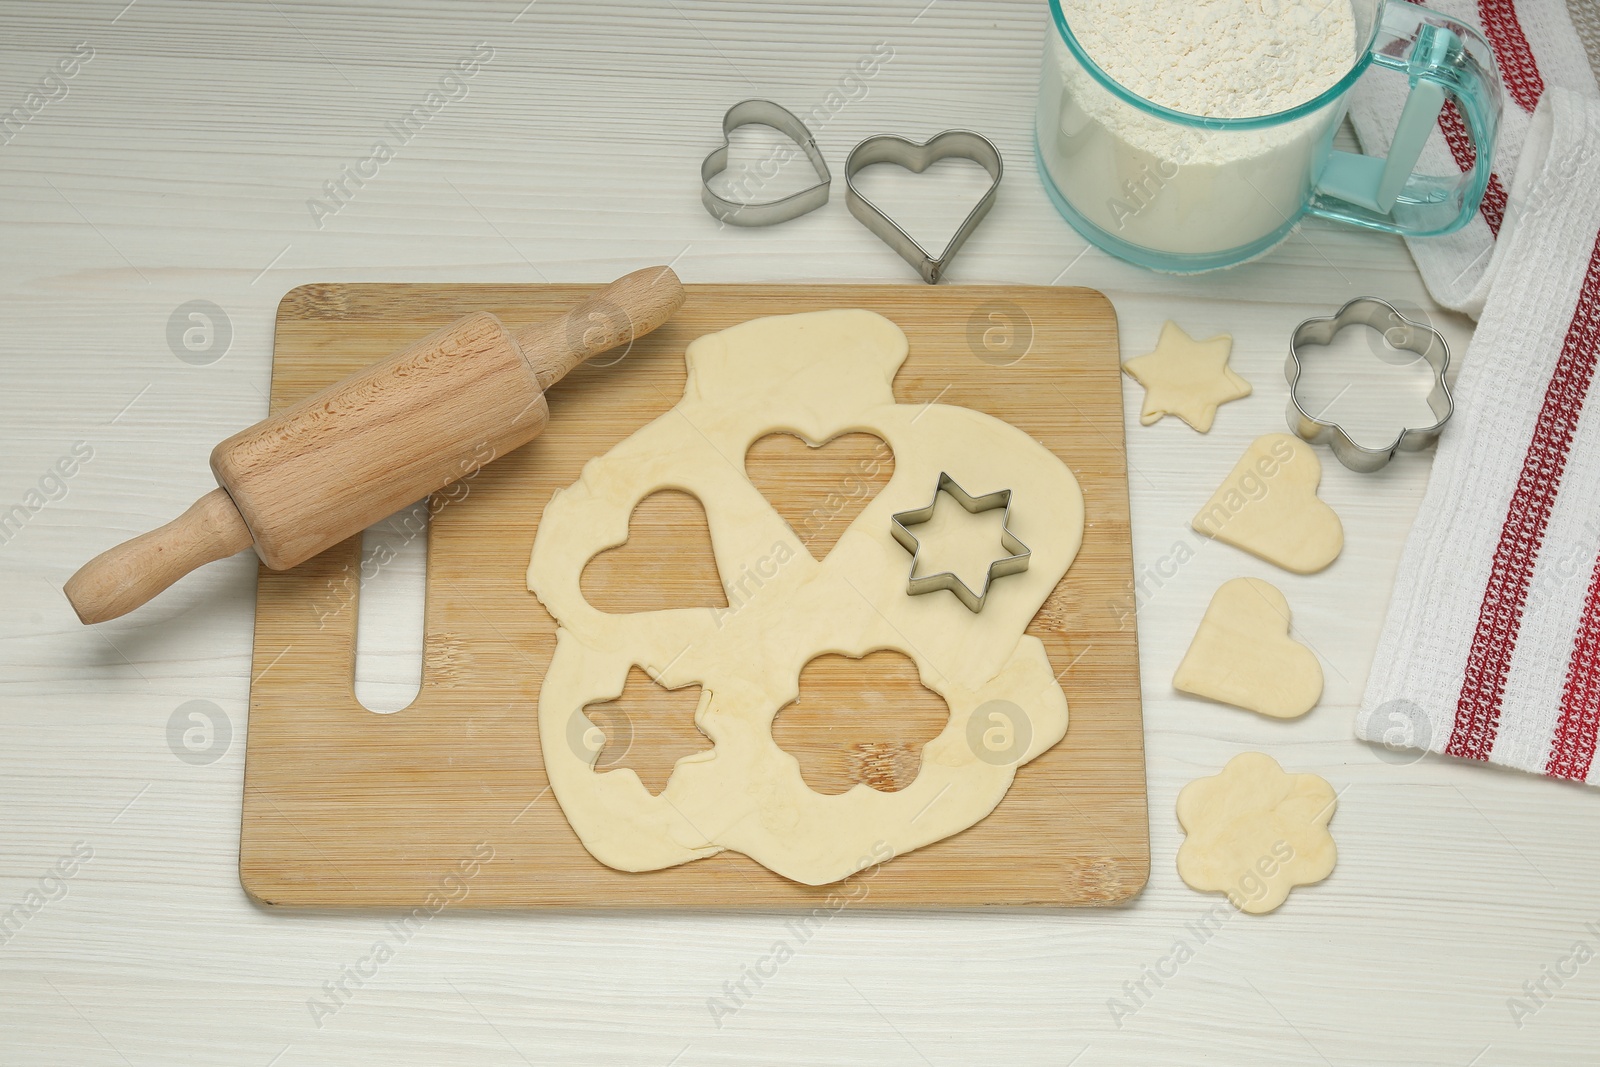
1399, 332
764, 113
1014, 563
888, 148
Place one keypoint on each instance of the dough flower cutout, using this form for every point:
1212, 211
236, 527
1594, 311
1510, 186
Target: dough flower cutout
1256, 832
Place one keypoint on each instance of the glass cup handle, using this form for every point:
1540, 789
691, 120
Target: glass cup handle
1442, 58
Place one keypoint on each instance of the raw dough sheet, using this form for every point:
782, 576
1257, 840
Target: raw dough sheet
816, 375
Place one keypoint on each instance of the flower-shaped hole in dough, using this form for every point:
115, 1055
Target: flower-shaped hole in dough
860, 720
1255, 832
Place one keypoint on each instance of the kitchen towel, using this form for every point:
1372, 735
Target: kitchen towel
1491, 648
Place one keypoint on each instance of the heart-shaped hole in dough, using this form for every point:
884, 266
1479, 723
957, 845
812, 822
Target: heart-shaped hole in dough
819, 490
668, 526
853, 722
648, 729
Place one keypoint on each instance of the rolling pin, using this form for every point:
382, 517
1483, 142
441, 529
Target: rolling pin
335, 463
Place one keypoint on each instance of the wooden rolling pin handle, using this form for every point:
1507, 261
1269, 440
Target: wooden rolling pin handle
628, 308
122, 578
308, 477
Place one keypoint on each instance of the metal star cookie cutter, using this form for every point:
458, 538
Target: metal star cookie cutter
1400, 332
764, 113
888, 148
1015, 563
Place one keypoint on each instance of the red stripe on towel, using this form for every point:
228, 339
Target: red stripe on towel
1518, 68
1500, 616
1520, 73
1454, 128
1572, 747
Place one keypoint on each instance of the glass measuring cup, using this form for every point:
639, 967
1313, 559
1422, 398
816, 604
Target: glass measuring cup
1183, 192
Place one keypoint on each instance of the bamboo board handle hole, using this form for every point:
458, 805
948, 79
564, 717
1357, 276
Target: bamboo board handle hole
392, 581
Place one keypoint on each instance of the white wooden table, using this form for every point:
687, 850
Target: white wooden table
178, 167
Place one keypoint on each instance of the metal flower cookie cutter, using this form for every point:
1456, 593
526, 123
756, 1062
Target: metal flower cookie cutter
888, 148
1014, 563
780, 118
1400, 332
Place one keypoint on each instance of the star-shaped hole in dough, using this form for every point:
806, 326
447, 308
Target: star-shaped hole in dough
1186, 378
647, 728
1256, 832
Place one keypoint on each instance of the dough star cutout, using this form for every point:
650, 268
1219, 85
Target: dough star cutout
1186, 378
1255, 832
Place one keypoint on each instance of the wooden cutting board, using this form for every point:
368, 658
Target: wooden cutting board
445, 802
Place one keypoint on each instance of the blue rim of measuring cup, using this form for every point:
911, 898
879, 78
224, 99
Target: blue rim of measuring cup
1185, 118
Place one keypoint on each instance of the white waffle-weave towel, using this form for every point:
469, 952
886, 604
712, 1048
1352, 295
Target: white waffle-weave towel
1491, 648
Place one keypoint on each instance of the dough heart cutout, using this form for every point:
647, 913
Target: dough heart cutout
1243, 654
841, 476
1268, 506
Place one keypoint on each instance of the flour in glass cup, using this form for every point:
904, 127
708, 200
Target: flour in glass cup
1219, 58
1188, 189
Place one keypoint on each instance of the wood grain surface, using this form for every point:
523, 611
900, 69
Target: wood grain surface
343, 807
